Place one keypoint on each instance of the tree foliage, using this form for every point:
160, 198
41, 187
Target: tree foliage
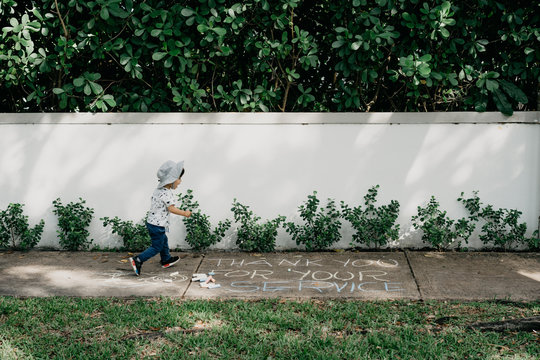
262, 55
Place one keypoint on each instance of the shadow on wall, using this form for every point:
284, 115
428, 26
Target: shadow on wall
271, 168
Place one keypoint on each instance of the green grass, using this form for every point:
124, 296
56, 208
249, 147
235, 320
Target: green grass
162, 328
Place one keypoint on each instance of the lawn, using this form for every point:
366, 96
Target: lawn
163, 328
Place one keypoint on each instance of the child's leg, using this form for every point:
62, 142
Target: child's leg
165, 254
158, 237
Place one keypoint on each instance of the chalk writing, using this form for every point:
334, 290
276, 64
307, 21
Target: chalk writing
387, 263
271, 274
319, 286
236, 262
318, 275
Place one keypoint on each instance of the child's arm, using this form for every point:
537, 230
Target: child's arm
173, 209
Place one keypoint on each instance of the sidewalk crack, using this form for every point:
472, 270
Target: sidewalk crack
190, 282
420, 292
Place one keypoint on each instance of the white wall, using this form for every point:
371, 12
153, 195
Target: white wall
270, 162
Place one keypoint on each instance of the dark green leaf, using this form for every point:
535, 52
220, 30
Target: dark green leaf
444, 32
338, 44
104, 13
186, 12
202, 28
492, 85
96, 88
514, 92
78, 82
220, 31
502, 102
158, 56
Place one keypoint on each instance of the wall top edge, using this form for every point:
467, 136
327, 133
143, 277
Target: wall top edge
529, 117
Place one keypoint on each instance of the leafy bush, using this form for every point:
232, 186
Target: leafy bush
534, 242
261, 55
438, 229
253, 236
73, 219
374, 225
500, 226
15, 233
321, 225
134, 236
199, 233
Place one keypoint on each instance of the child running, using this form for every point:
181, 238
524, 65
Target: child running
162, 204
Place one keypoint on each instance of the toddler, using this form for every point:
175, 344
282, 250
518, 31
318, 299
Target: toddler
162, 203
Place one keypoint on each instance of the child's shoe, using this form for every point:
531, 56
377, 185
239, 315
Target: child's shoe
136, 264
172, 260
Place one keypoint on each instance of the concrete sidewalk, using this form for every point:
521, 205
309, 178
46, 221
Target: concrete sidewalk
300, 275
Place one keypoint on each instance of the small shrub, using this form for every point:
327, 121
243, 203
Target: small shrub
134, 236
15, 233
438, 229
73, 219
534, 242
199, 233
374, 225
500, 226
253, 236
321, 225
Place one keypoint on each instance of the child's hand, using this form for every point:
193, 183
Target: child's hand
177, 211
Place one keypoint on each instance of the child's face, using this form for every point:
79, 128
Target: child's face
176, 183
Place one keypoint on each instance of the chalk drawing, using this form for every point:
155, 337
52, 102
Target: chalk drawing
125, 279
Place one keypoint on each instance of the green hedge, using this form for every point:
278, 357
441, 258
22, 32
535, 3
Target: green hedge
261, 55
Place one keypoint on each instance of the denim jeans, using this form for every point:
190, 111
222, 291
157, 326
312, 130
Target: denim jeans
160, 244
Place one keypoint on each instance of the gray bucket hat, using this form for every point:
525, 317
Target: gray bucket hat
169, 172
